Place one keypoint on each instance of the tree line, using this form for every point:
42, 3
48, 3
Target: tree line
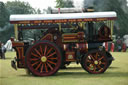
12, 7
20, 7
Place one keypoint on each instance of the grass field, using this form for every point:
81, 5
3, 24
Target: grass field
117, 74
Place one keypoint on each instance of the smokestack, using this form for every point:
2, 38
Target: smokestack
88, 6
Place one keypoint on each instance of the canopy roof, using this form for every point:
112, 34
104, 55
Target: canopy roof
62, 18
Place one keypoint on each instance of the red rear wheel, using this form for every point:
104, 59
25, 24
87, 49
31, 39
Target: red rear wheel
95, 62
43, 58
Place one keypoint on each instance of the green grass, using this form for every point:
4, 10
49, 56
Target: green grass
117, 74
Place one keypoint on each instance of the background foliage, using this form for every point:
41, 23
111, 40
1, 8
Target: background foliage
13, 7
20, 7
64, 4
121, 8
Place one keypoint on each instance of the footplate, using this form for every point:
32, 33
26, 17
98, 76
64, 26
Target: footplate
13, 64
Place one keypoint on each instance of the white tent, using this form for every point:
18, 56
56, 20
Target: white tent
88, 15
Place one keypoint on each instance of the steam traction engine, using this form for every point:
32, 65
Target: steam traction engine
72, 37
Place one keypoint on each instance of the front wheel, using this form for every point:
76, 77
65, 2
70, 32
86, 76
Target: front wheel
43, 58
95, 62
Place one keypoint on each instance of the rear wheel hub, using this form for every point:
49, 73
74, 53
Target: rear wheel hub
43, 59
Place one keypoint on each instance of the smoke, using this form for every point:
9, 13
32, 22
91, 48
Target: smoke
127, 2
5, 27
88, 3
6, 32
99, 5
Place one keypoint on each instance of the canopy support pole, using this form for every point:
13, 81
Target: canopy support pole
59, 27
16, 31
112, 23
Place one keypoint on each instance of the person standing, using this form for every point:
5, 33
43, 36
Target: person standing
2, 51
119, 44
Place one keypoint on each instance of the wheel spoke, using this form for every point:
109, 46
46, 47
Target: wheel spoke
41, 50
92, 57
38, 52
90, 66
34, 59
103, 63
35, 63
38, 66
99, 66
46, 68
42, 66
53, 58
50, 66
51, 62
96, 56
45, 49
93, 64
89, 61
49, 51
101, 58
51, 54
35, 55
94, 68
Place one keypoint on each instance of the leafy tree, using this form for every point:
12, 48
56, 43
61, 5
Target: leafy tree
122, 19
6, 33
59, 3
4, 15
12, 7
68, 4
48, 10
18, 7
64, 4
122, 16
38, 11
113, 5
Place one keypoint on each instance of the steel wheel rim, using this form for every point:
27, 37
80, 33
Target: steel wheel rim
96, 63
41, 67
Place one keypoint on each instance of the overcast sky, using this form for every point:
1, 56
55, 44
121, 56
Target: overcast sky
43, 4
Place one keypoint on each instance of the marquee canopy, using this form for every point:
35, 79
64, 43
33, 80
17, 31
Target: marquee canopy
62, 18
